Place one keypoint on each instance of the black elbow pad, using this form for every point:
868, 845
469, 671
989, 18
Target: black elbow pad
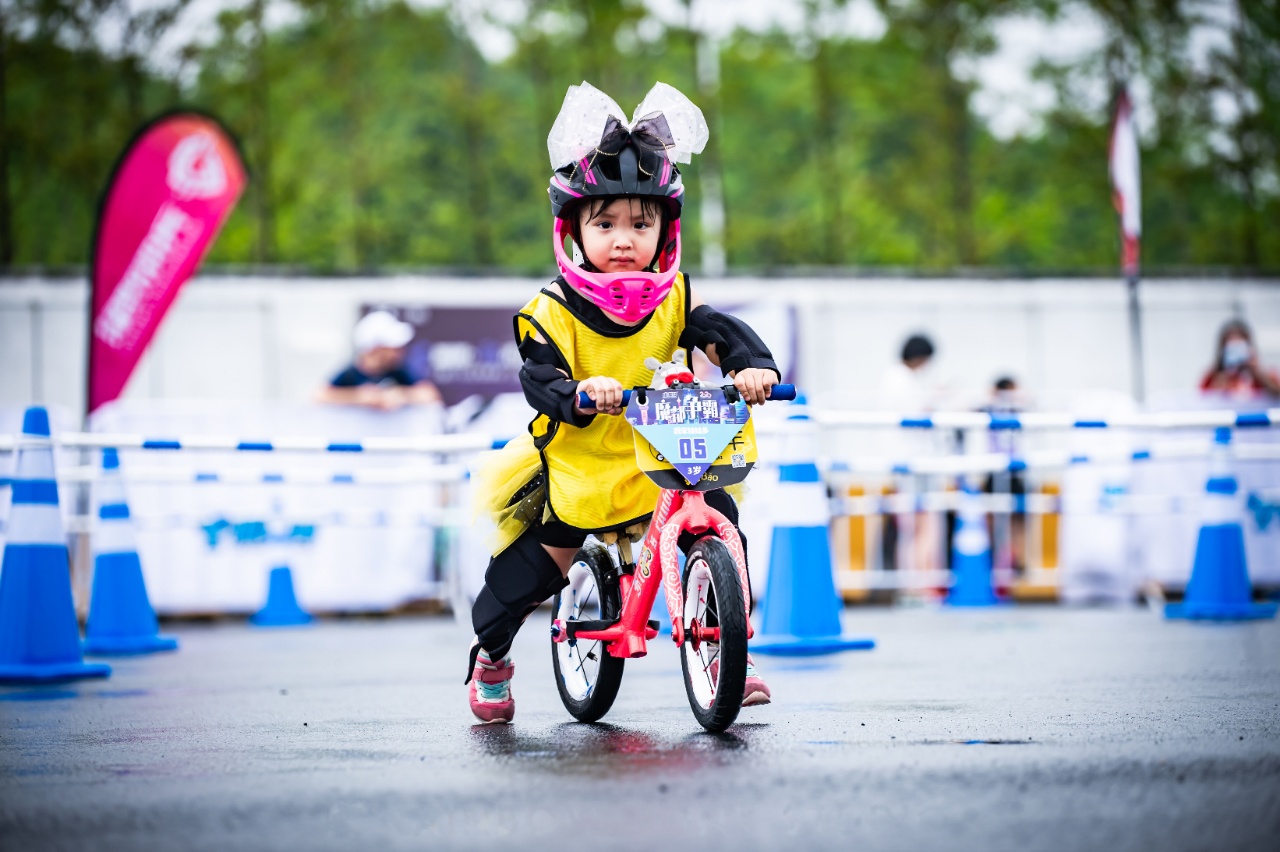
551, 393
737, 344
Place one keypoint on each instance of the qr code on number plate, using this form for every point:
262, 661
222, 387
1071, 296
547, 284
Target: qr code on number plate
738, 459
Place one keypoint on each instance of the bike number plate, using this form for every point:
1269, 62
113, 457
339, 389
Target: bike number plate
695, 434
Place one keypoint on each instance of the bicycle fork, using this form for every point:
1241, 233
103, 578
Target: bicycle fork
676, 512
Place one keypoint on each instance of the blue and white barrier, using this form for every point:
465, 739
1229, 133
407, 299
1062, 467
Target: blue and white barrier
400, 522
292, 527
1027, 421
425, 475
866, 465
440, 444
957, 465
1021, 504
843, 472
455, 443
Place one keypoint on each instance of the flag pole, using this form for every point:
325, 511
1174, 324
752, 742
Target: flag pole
1135, 338
1124, 162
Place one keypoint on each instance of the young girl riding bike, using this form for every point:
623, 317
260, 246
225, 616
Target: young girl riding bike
616, 193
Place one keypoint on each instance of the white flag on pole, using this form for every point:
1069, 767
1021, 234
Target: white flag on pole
1126, 181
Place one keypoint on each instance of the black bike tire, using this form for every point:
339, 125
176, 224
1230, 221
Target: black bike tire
726, 586
609, 678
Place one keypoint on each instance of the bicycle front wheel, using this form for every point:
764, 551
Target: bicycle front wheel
587, 675
715, 673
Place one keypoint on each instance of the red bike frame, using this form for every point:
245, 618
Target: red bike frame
676, 512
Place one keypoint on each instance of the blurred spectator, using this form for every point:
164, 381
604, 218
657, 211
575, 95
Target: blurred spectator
378, 377
909, 385
1236, 370
1006, 400
1004, 395
1010, 543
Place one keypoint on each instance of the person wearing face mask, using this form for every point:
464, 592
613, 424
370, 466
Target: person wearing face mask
1236, 370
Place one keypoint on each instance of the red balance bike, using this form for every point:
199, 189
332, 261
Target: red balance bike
689, 439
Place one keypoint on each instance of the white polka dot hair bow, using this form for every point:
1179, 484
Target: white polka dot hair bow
590, 120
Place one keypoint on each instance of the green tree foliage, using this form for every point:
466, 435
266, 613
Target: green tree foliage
378, 136
66, 111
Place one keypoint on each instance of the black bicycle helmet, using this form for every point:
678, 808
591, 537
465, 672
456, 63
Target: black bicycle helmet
630, 163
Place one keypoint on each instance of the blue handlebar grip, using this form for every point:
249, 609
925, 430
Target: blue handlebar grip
777, 392
584, 401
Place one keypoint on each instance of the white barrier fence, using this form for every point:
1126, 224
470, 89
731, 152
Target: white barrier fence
1121, 512
1027, 421
379, 502
362, 517
431, 444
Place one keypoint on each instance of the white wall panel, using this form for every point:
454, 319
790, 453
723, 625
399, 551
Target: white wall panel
63, 356
1180, 331
16, 353
266, 338
1085, 345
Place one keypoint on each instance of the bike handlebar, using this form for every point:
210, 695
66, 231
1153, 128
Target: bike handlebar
777, 393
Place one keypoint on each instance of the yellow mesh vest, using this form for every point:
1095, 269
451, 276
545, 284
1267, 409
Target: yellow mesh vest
593, 481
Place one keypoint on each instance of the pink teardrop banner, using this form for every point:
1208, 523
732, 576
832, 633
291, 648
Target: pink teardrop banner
172, 191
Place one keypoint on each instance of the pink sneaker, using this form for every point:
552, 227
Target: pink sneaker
491, 700
757, 691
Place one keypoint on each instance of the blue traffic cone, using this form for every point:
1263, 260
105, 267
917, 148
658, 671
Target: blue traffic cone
281, 608
1219, 589
971, 555
121, 620
800, 615
39, 636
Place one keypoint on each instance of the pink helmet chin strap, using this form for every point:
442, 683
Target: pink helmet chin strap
629, 296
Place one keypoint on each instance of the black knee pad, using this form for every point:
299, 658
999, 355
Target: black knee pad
523, 575
518, 579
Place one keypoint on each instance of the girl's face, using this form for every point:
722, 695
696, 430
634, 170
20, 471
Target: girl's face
622, 237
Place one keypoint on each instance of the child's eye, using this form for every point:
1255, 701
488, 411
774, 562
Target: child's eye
641, 225
605, 225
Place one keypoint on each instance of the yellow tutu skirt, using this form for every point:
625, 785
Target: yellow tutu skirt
499, 477
503, 475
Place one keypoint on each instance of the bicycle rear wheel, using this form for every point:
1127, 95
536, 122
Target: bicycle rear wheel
715, 673
587, 675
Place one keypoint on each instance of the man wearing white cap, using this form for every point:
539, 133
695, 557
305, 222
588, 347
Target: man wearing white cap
378, 377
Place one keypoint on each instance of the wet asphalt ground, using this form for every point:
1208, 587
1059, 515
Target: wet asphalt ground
1010, 729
